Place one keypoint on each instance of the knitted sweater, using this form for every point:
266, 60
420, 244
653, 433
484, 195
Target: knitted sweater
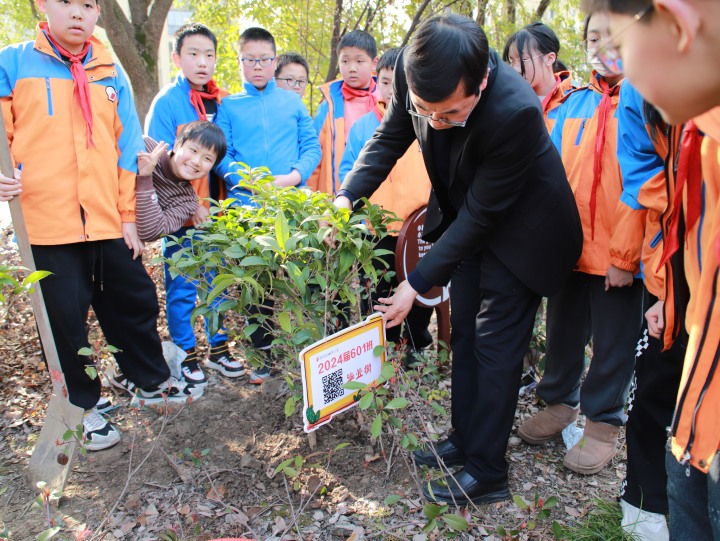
163, 201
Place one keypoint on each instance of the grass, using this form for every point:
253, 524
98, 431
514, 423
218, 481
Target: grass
602, 523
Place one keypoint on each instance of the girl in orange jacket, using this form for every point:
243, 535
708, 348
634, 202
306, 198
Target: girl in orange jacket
533, 52
601, 300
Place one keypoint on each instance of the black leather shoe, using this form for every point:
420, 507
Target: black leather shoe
450, 455
463, 487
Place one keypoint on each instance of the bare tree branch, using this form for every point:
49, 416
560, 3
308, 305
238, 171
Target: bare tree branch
415, 21
541, 9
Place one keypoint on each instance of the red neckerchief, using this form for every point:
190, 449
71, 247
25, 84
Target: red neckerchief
349, 93
689, 173
197, 96
379, 110
603, 114
81, 86
546, 100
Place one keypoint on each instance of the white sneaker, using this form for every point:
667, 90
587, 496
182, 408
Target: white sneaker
226, 365
643, 525
171, 391
103, 405
192, 373
119, 381
98, 432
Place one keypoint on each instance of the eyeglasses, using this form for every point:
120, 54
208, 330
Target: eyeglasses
293, 82
606, 52
431, 117
516, 64
252, 62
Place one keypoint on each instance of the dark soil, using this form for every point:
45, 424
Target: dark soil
231, 490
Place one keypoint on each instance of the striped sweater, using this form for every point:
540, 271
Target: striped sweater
163, 202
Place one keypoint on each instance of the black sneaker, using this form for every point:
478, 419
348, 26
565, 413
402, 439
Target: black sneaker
98, 432
221, 360
190, 369
171, 391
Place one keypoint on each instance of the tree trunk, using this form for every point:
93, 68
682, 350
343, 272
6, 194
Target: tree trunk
136, 43
481, 11
511, 11
541, 9
337, 22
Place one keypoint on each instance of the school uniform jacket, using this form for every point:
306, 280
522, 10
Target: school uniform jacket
169, 112
506, 190
407, 187
576, 135
551, 102
695, 429
641, 152
271, 128
71, 192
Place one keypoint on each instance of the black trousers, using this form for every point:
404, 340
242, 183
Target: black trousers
492, 318
651, 405
613, 318
101, 274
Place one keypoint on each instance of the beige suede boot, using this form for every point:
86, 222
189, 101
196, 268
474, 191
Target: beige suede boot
596, 448
547, 424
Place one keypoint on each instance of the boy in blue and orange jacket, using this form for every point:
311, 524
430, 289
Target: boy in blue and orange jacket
345, 101
72, 126
602, 298
265, 126
193, 96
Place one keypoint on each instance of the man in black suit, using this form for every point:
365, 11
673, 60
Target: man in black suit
503, 221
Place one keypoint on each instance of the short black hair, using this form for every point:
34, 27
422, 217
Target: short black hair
388, 59
206, 134
361, 40
256, 33
624, 7
192, 29
291, 58
533, 36
446, 50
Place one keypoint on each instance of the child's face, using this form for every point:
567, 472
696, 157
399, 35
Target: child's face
196, 60
385, 83
71, 22
356, 67
538, 66
293, 77
191, 160
257, 74
667, 58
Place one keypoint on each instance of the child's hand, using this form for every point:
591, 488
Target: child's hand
148, 160
131, 238
655, 319
201, 216
10, 187
291, 179
617, 278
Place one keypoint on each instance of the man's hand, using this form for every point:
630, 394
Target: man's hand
148, 160
10, 187
655, 319
340, 202
396, 308
291, 179
617, 278
132, 241
202, 215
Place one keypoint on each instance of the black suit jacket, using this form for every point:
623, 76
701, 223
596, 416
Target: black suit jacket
507, 190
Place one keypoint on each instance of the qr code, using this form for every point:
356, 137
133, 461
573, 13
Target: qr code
333, 386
